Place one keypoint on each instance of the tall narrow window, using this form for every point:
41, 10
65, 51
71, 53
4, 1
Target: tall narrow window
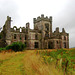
64, 37
57, 42
25, 37
36, 45
20, 37
36, 37
14, 36
26, 44
0, 37
47, 27
14, 29
64, 44
20, 30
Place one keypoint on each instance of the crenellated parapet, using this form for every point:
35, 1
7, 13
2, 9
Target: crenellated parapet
40, 18
57, 30
58, 34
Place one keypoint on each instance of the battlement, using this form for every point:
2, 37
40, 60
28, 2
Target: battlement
40, 18
8, 18
57, 30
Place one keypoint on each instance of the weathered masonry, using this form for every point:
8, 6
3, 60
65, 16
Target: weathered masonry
41, 37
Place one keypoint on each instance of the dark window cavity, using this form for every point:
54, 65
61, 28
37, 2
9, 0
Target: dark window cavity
36, 45
36, 37
14, 36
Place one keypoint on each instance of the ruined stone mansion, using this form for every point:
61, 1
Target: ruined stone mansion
41, 37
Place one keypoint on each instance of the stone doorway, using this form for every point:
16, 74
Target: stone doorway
36, 45
50, 45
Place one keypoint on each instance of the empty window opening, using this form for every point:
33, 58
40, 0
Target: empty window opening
47, 27
57, 42
25, 44
14, 36
50, 45
20, 30
14, 29
36, 45
25, 37
36, 37
64, 44
20, 37
64, 37
0, 37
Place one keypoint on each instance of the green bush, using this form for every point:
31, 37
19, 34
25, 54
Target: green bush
16, 46
2, 49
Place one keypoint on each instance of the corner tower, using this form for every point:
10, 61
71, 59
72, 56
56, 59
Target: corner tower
7, 30
44, 24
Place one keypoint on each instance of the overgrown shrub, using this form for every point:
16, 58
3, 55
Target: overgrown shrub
16, 46
2, 49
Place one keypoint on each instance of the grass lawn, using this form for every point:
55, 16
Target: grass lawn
28, 62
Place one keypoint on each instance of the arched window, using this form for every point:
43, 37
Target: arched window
20, 30
14, 29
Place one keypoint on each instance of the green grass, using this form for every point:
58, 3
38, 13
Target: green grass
13, 65
64, 59
2, 49
37, 62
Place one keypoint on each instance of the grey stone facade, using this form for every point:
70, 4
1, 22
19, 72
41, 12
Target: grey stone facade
41, 37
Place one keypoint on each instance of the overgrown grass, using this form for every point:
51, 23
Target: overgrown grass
11, 63
38, 62
63, 59
25, 63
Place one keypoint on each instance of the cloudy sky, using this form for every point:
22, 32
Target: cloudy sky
23, 11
